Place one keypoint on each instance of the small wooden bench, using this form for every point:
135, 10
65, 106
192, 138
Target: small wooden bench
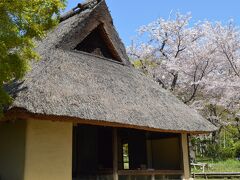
201, 165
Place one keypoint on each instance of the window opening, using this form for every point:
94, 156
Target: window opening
125, 156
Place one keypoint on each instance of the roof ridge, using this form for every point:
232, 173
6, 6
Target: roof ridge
88, 4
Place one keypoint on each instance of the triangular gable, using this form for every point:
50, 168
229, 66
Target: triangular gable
98, 43
92, 31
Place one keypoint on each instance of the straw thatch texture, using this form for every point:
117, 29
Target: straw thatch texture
79, 85
76, 84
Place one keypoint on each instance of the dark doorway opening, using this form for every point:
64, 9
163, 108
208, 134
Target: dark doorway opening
92, 152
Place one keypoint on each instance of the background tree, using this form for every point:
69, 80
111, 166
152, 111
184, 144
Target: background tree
20, 22
198, 63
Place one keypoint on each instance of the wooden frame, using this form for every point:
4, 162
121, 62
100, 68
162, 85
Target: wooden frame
185, 154
115, 154
150, 172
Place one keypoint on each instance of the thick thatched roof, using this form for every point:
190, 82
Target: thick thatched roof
70, 84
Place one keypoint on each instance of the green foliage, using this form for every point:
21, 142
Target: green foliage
139, 63
226, 153
20, 22
225, 146
237, 150
218, 152
143, 64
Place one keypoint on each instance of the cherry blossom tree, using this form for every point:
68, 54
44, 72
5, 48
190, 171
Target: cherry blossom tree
199, 63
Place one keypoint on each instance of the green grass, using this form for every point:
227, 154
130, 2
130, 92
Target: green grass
216, 178
229, 165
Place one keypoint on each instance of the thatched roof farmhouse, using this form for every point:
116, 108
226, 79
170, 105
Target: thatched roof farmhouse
85, 85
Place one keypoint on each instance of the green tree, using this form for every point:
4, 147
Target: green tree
22, 21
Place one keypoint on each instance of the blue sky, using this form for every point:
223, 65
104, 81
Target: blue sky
129, 15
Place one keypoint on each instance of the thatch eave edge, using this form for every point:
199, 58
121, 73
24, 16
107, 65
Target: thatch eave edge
16, 113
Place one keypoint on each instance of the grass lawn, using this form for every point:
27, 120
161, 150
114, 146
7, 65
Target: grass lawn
229, 165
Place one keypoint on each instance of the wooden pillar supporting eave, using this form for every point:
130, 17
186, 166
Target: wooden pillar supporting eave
115, 154
185, 157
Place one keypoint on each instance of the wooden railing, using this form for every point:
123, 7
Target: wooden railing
217, 175
151, 173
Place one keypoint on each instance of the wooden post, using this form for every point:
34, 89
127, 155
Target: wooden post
149, 154
152, 177
186, 165
115, 154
